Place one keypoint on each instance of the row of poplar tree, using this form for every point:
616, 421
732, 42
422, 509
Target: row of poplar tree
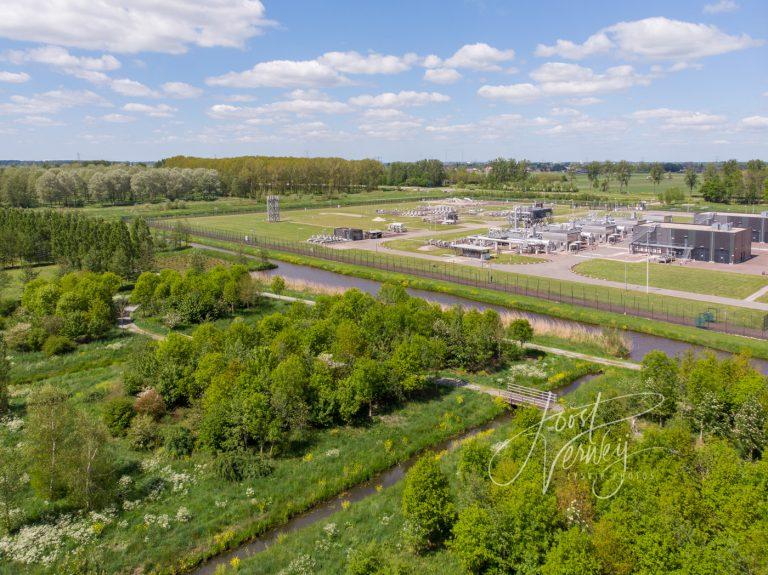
74, 241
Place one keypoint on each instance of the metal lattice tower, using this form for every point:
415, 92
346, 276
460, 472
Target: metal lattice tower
273, 208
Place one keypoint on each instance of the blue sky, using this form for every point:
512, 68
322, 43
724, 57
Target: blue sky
454, 80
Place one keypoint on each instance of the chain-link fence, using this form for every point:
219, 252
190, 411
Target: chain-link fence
741, 321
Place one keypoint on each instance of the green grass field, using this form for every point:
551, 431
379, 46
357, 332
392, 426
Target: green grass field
16, 287
299, 225
673, 276
225, 204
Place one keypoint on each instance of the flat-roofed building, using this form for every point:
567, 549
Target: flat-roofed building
756, 223
354, 234
721, 243
472, 250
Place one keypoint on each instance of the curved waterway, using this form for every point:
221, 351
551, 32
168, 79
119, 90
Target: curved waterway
357, 493
360, 491
641, 343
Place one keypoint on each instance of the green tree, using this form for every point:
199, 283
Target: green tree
572, 554
749, 428
733, 181
5, 376
593, 173
427, 505
691, 178
657, 174
521, 331
660, 375
755, 180
476, 540
11, 483
92, 476
623, 174
712, 187
51, 440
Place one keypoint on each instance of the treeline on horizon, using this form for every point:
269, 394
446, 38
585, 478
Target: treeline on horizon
120, 184
255, 177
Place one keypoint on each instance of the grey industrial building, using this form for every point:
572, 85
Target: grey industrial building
562, 236
354, 234
721, 243
756, 223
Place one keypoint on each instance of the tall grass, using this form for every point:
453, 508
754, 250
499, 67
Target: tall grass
613, 341
304, 286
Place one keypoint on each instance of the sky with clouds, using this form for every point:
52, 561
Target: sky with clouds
450, 79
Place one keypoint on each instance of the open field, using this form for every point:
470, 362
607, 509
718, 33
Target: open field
299, 225
225, 204
639, 186
183, 259
674, 276
16, 286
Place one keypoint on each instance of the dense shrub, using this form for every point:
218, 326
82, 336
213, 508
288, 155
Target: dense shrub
179, 442
195, 296
8, 306
150, 402
263, 385
143, 433
58, 345
78, 306
235, 466
25, 337
118, 414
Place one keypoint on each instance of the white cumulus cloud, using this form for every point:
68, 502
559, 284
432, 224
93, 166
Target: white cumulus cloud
132, 88
180, 90
356, 63
479, 56
155, 111
720, 7
125, 26
442, 75
524, 92
564, 79
14, 77
656, 38
758, 122
398, 100
281, 74
51, 102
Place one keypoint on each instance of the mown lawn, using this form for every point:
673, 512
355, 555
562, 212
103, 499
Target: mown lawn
677, 277
299, 225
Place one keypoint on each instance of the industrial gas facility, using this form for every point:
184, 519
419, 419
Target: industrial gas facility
536, 229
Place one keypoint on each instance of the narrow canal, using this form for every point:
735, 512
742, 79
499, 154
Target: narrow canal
641, 343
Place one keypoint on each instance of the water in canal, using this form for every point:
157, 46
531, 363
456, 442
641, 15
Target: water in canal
641, 343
